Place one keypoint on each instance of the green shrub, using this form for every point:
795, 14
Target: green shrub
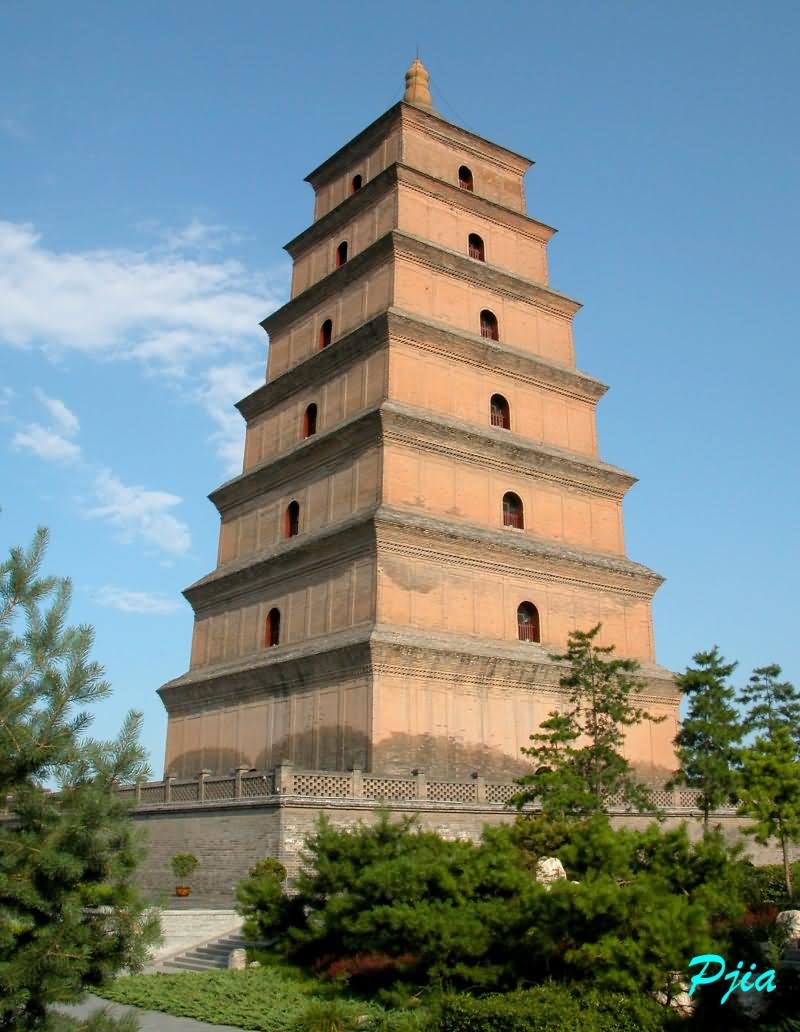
262, 901
183, 864
335, 1016
553, 1008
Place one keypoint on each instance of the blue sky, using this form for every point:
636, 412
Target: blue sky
151, 168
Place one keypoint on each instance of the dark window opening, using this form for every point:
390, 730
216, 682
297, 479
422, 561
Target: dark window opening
325, 333
356, 183
341, 254
512, 511
501, 414
292, 522
272, 630
310, 421
489, 328
528, 622
465, 178
476, 248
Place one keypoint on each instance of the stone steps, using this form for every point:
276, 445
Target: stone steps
211, 956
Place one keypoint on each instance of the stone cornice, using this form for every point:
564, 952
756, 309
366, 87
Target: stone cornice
509, 552
318, 661
499, 449
328, 547
468, 662
432, 124
398, 173
463, 662
397, 244
349, 436
482, 275
429, 335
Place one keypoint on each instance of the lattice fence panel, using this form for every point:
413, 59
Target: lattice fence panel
220, 788
688, 797
185, 792
662, 798
452, 791
390, 789
153, 793
123, 793
329, 786
500, 793
257, 786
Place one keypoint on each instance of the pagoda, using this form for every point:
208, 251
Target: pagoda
422, 516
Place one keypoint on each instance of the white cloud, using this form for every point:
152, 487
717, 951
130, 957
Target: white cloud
150, 603
223, 387
46, 444
139, 513
65, 420
199, 235
160, 308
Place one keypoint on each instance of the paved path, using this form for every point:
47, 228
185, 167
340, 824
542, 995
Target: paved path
149, 1021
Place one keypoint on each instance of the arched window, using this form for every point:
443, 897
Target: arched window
528, 622
465, 178
325, 332
291, 525
512, 511
489, 327
272, 628
341, 254
500, 412
357, 183
310, 421
476, 249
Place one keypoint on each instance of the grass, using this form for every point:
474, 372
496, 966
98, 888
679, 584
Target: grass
266, 999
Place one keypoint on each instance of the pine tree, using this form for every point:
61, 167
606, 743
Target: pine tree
577, 780
707, 744
70, 916
770, 793
771, 766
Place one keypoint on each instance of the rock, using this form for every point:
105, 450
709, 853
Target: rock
681, 1001
254, 964
550, 869
790, 920
237, 960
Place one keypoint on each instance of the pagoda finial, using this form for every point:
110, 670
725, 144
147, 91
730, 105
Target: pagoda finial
418, 91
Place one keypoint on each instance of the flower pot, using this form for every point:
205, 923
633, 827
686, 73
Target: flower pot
182, 890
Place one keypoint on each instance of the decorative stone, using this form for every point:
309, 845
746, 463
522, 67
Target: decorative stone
237, 960
550, 869
790, 920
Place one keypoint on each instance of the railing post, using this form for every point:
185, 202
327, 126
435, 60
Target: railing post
284, 778
356, 783
676, 796
480, 788
168, 779
422, 783
202, 777
137, 791
237, 787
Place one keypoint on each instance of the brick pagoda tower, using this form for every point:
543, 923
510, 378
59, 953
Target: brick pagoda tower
422, 515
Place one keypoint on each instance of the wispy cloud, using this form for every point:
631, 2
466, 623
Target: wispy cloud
140, 514
199, 235
50, 442
162, 309
223, 387
148, 603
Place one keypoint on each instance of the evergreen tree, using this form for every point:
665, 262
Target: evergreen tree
771, 766
707, 744
70, 916
575, 779
771, 703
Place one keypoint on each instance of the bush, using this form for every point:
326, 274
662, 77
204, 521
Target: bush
261, 900
183, 864
335, 1016
553, 1008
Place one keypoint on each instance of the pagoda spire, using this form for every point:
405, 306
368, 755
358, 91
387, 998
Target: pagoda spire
418, 90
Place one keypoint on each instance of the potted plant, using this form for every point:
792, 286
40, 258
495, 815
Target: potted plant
182, 866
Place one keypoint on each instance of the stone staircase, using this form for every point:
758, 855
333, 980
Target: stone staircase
209, 956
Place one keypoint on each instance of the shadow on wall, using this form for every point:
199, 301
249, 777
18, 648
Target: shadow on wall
325, 748
441, 757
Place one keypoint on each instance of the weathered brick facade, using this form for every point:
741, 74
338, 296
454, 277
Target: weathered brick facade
381, 552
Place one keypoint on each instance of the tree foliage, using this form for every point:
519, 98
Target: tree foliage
707, 743
70, 916
577, 751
